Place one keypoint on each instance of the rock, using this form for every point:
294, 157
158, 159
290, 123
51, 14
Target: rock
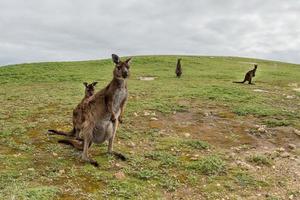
146, 113
297, 132
292, 146
290, 97
262, 128
243, 164
291, 197
285, 155
259, 90
135, 114
30, 169
120, 175
62, 171
131, 144
186, 135
153, 119
54, 154
281, 149
118, 165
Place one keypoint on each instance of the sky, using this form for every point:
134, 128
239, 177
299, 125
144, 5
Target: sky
64, 30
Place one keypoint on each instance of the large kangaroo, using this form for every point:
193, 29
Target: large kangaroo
77, 112
104, 111
249, 75
178, 70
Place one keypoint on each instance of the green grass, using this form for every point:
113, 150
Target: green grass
260, 160
37, 96
210, 165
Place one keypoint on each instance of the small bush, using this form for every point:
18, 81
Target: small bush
166, 159
211, 165
197, 144
259, 160
147, 174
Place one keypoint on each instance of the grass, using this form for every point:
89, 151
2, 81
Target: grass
210, 165
162, 162
260, 160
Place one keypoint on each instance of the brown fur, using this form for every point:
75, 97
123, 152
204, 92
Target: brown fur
103, 111
77, 112
178, 70
249, 75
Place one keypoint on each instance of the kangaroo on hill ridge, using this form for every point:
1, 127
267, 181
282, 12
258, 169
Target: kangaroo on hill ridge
103, 112
77, 112
249, 75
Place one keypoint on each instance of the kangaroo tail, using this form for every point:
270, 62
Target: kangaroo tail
240, 81
75, 143
70, 133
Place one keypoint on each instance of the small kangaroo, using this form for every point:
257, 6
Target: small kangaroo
178, 70
77, 112
103, 112
249, 75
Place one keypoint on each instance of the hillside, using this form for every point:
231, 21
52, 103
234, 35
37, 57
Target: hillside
197, 137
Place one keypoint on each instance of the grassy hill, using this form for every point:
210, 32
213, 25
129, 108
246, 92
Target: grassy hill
198, 137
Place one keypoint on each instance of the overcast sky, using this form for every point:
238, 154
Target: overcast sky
53, 30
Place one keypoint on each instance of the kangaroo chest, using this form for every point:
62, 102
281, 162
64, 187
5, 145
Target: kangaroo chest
119, 96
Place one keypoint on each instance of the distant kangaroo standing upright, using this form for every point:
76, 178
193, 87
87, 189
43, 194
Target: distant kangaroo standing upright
249, 75
178, 70
77, 112
104, 111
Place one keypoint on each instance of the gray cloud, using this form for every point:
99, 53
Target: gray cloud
52, 30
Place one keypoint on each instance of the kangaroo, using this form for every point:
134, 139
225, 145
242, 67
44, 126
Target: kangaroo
249, 75
103, 112
178, 70
77, 112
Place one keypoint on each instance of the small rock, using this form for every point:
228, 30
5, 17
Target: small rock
131, 144
259, 90
290, 97
243, 164
146, 113
292, 146
297, 132
62, 171
54, 154
291, 197
30, 169
285, 155
186, 135
135, 114
218, 185
118, 165
17, 155
153, 119
281, 149
174, 112
120, 175
262, 129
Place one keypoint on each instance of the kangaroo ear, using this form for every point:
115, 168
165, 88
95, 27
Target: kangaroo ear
115, 58
85, 84
128, 60
94, 83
